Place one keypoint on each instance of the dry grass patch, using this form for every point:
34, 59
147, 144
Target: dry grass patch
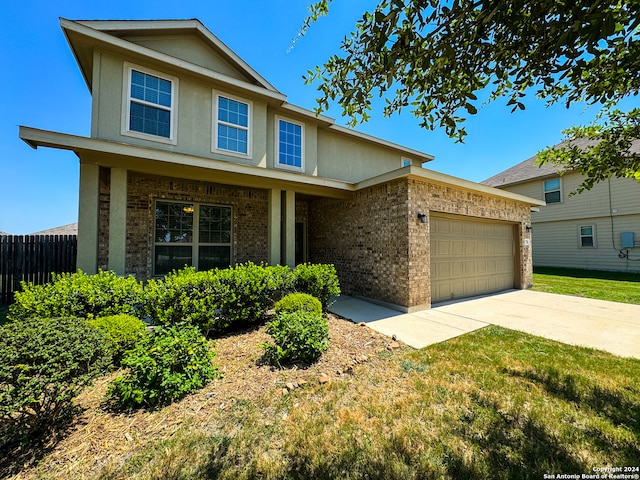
491, 404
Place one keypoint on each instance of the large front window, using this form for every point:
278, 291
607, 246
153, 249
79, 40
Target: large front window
150, 104
232, 125
191, 234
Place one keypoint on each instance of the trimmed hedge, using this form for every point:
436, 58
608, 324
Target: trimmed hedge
123, 331
44, 365
318, 280
164, 367
78, 295
298, 301
298, 336
215, 299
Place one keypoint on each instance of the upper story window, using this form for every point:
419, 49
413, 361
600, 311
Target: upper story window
289, 144
232, 125
552, 193
587, 236
150, 104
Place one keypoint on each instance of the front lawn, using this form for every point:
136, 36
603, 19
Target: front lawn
614, 286
492, 404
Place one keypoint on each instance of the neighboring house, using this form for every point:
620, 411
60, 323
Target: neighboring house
598, 229
194, 158
70, 229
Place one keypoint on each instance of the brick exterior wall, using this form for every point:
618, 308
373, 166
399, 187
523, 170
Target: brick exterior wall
367, 239
431, 197
250, 214
380, 248
375, 240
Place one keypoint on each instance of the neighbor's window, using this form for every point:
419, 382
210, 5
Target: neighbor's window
191, 234
289, 144
232, 125
552, 190
587, 236
150, 104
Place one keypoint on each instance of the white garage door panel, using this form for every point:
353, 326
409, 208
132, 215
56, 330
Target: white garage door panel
470, 258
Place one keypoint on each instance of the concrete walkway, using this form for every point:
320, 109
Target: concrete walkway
609, 326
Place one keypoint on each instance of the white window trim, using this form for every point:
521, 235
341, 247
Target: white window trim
126, 105
214, 137
276, 141
195, 243
405, 162
544, 192
593, 236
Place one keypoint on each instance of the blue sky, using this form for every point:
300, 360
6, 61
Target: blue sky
43, 88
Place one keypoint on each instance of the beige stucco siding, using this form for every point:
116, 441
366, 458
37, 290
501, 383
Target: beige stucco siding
193, 118
343, 157
191, 49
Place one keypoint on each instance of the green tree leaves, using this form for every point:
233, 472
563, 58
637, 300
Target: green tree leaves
436, 56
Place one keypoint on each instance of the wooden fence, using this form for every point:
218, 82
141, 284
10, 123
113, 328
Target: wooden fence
33, 258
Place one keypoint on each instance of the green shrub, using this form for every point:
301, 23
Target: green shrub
298, 337
215, 299
250, 290
165, 366
44, 364
124, 332
186, 295
298, 301
78, 295
318, 280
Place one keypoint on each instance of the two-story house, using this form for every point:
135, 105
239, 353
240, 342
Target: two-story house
195, 159
598, 229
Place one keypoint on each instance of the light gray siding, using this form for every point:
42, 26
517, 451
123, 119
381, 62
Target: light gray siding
611, 207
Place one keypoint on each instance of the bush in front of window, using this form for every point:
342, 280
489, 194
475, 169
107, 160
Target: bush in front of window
250, 290
124, 332
45, 365
318, 280
164, 367
299, 336
186, 295
215, 300
78, 295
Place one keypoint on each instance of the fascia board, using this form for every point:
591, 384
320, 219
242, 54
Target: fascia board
192, 24
304, 112
430, 175
132, 48
44, 138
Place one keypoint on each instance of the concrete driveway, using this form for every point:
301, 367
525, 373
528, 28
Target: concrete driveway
609, 326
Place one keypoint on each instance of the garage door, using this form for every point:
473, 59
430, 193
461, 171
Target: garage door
470, 257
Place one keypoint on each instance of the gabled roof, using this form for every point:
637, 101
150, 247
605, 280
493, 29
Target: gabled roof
70, 229
84, 35
529, 170
522, 172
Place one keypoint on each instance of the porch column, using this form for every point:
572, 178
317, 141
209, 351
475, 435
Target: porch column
118, 221
274, 231
289, 229
88, 211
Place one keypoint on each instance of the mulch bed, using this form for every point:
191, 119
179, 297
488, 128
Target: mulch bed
100, 436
